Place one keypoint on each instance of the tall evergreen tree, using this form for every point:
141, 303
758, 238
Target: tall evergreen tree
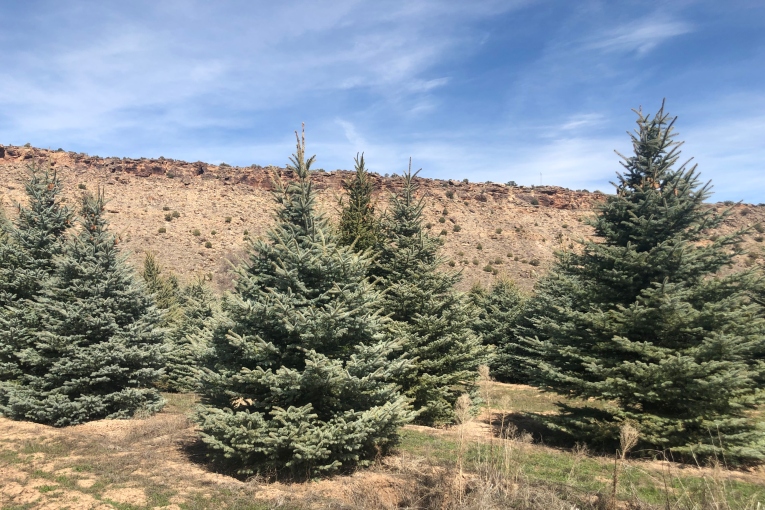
434, 319
33, 240
359, 226
499, 310
96, 348
28, 247
299, 377
644, 318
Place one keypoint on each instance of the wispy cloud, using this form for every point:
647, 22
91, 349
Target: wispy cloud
640, 37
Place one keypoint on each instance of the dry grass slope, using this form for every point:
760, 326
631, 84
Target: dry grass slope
160, 204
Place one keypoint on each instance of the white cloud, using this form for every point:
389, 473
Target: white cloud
640, 37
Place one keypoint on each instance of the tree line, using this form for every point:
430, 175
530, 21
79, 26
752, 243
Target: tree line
337, 335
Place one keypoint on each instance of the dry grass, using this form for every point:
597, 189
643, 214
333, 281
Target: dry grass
150, 463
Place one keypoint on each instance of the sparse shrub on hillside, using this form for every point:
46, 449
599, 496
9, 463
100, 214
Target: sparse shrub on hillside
208, 244
512, 184
196, 232
534, 201
759, 228
165, 208
479, 246
175, 214
98, 347
443, 232
82, 186
498, 261
456, 228
168, 217
450, 194
565, 225
300, 375
227, 219
246, 232
488, 268
441, 219
465, 181
162, 230
534, 262
452, 263
429, 314
758, 239
213, 232
498, 230
429, 225
649, 319
475, 262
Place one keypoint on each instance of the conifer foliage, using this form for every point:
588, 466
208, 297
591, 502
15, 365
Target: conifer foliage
96, 347
33, 240
499, 310
429, 314
643, 317
28, 247
187, 337
299, 377
359, 226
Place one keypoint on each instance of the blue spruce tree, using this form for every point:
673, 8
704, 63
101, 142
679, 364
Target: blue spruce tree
299, 378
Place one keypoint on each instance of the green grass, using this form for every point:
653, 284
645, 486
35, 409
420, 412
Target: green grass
590, 475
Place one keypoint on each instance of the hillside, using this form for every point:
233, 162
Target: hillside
499, 225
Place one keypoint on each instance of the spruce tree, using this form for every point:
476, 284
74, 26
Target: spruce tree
96, 347
429, 314
646, 318
28, 247
34, 238
299, 377
499, 310
359, 226
164, 288
187, 335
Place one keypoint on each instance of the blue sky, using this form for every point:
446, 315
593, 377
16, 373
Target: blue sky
485, 90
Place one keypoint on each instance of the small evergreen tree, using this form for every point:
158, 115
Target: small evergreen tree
359, 226
299, 377
164, 288
96, 348
434, 319
187, 337
644, 318
28, 247
500, 309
